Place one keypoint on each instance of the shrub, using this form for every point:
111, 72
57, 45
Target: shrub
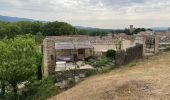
71, 83
131, 64
100, 63
90, 61
103, 62
167, 48
40, 90
106, 70
90, 73
88, 58
111, 53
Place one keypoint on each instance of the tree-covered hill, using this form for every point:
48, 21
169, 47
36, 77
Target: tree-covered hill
13, 26
10, 30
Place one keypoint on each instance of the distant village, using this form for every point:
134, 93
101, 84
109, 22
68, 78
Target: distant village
61, 50
84, 50
59, 58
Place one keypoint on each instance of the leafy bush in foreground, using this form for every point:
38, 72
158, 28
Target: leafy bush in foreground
40, 90
19, 58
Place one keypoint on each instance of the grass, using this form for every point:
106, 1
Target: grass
148, 79
132, 64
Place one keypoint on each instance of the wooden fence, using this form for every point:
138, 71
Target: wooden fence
132, 53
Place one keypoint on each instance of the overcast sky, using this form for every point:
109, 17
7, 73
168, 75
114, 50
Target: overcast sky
94, 13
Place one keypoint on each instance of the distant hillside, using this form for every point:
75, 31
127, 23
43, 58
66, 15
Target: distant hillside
14, 19
91, 28
156, 29
160, 29
82, 27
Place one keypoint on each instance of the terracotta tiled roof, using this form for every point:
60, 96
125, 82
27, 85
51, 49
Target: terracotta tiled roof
91, 39
64, 45
73, 45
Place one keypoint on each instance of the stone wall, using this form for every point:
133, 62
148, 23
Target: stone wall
63, 78
99, 43
49, 56
156, 44
151, 46
88, 53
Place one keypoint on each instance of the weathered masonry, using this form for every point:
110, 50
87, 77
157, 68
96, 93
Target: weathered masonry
71, 48
64, 49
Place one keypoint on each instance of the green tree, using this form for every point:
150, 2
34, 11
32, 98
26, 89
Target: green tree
3, 32
139, 30
25, 27
39, 38
58, 28
12, 30
2, 87
36, 27
18, 60
111, 53
82, 32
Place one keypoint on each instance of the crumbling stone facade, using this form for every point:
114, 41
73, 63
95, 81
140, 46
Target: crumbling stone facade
59, 47
49, 56
50, 52
150, 42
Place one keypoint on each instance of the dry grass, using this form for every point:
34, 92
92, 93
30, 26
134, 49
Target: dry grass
148, 80
132, 90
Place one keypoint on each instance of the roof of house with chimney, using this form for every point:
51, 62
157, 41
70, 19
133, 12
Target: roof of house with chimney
83, 38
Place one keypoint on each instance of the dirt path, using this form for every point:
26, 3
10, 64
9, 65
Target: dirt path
148, 80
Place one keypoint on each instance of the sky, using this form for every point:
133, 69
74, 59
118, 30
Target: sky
93, 13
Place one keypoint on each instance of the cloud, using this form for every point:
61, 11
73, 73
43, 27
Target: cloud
96, 13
